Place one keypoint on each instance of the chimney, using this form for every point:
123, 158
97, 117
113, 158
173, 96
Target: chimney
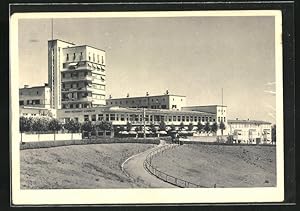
46, 84
110, 97
147, 94
26, 86
127, 94
167, 92
237, 118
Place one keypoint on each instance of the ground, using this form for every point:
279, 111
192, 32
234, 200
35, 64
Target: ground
78, 166
225, 166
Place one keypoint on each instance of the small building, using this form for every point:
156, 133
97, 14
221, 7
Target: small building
165, 101
27, 111
250, 131
37, 96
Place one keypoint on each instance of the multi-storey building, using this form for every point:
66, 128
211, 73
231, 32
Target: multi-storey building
37, 96
166, 101
250, 131
76, 75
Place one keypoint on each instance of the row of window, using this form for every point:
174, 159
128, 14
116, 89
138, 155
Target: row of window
77, 105
151, 118
221, 119
138, 101
74, 57
30, 102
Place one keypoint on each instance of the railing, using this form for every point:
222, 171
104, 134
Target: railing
164, 176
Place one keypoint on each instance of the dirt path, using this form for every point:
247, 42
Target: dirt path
134, 168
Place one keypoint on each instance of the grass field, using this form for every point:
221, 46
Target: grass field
78, 166
225, 166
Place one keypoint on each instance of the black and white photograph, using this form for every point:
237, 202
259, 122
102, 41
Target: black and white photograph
147, 107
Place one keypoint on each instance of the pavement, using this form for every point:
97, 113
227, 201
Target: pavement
133, 167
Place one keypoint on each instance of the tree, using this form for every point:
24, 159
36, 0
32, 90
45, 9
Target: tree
39, 125
54, 125
162, 126
128, 126
207, 127
200, 127
172, 127
104, 126
72, 126
222, 127
153, 128
190, 127
87, 127
25, 125
181, 126
214, 127
273, 134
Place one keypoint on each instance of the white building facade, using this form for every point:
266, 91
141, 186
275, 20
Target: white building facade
250, 131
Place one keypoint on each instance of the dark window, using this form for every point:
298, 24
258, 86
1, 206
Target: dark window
21, 102
86, 118
71, 106
94, 117
67, 57
74, 56
163, 106
100, 117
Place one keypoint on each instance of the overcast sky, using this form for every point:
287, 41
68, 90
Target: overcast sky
192, 56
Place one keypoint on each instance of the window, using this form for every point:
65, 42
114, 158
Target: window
21, 102
195, 119
187, 118
67, 57
178, 118
94, 117
107, 117
81, 57
89, 57
206, 119
98, 61
102, 60
218, 119
163, 106
210, 118
224, 119
74, 56
122, 117
100, 117
183, 118
63, 75
174, 118
86, 118
93, 57
170, 118
174, 106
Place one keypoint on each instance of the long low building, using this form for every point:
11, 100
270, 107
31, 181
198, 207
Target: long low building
136, 116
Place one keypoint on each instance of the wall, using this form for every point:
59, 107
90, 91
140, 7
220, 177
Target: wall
50, 137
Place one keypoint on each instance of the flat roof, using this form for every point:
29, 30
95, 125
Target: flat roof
139, 110
84, 46
34, 87
122, 98
61, 41
203, 106
242, 121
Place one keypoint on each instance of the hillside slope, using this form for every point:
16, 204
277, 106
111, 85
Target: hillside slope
225, 166
78, 166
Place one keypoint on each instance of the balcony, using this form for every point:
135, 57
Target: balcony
83, 65
73, 100
82, 78
83, 89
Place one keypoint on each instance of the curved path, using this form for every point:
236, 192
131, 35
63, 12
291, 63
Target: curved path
133, 167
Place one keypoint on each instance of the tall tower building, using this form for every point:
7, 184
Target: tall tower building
76, 75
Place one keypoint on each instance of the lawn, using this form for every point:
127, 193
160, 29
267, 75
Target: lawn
225, 166
78, 166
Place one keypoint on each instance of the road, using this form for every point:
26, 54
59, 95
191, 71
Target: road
134, 168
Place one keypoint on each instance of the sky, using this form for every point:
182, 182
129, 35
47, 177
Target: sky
191, 56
